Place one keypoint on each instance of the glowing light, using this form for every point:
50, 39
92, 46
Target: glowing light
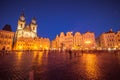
35, 47
20, 47
46, 48
87, 42
90, 63
73, 48
40, 45
109, 49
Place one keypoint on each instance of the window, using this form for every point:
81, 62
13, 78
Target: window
21, 25
33, 28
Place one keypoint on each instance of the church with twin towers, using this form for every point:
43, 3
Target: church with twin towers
26, 30
26, 38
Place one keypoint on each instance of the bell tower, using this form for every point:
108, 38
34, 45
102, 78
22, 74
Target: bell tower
21, 22
33, 25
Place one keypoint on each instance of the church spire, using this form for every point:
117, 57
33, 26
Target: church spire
33, 21
22, 16
22, 13
21, 21
33, 25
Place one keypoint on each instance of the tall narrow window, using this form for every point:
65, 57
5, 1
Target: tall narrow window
33, 28
21, 25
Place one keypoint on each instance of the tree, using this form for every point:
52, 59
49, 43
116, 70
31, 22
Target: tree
7, 27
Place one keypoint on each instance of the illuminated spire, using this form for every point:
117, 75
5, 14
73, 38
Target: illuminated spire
22, 13
33, 20
22, 16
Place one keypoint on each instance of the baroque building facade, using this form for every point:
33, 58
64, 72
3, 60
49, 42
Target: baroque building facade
109, 40
77, 41
6, 40
26, 36
118, 40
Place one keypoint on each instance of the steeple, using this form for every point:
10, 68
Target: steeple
33, 25
22, 16
21, 21
33, 20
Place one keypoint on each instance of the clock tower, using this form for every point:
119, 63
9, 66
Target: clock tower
21, 22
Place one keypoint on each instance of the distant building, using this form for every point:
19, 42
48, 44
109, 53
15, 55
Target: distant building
117, 40
108, 40
26, 36
75, 42
88, 41
32, 44
6, 40
24, 30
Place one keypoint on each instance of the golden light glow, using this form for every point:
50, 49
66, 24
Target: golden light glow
87, 42
38, 57
91, 69
19, 55
35, 47
20, 47
46, 48
40, 45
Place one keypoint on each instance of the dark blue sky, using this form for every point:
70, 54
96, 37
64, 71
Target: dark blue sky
55, 16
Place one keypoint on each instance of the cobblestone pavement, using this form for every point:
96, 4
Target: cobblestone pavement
55, 65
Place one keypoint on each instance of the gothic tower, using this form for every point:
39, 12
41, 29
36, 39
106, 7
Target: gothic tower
21, 22
33, 25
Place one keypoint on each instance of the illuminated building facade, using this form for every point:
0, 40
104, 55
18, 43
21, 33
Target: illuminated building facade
88, 40
32, 44
6, 40
26, 31
26, 36
108, 40
75, 42
118, 40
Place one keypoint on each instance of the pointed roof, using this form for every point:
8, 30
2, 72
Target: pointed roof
33, 18
33, 21
22, 13
22, 16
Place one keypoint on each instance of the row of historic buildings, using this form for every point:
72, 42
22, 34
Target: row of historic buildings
77, 41
25, 38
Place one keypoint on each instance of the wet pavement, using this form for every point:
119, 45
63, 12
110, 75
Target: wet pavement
54, 65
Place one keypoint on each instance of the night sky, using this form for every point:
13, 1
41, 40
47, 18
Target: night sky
55, 16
